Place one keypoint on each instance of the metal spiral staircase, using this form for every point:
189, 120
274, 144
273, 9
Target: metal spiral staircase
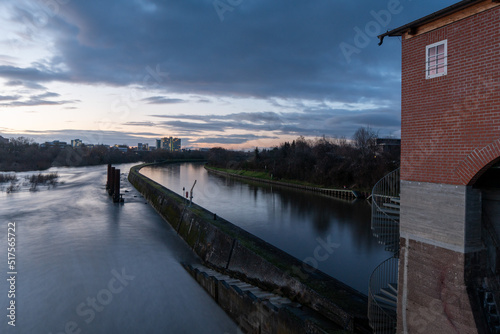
383, 297
490, 309
385, 211
383, 290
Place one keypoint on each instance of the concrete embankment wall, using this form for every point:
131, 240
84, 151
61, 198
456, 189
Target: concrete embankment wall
338, 193
257, 311
231, 250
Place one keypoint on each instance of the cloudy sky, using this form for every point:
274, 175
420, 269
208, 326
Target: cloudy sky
232, 73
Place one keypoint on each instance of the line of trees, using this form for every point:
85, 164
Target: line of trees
330, 162
23, 154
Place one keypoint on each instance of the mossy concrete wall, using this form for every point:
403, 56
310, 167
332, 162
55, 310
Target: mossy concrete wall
231, 250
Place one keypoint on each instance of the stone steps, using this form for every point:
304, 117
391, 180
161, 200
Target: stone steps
274, 299
256, 310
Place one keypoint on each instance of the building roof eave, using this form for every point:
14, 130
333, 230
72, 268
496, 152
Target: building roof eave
412, 26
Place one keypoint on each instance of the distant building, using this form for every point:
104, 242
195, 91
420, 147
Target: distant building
76, 143
142, 147
3, 140
121, 148
55, 143
388, 145
170, 144
176, 144
166, 143
158, 144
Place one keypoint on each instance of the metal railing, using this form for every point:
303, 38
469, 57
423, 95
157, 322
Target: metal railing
385, 210
382, 315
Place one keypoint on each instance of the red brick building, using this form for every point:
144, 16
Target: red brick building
450, 170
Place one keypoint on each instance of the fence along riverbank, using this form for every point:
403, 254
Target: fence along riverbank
338, 193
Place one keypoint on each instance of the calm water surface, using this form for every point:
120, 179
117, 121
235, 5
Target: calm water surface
329, 233
86, 265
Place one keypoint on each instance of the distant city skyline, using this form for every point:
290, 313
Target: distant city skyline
169, 143
239, 76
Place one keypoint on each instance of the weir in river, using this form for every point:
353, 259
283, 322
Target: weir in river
329, 234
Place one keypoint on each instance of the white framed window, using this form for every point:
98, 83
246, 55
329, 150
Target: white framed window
436, 63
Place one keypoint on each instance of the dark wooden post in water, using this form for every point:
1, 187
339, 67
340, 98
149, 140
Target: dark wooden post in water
108, 182
111, 188
116, 184
113, 184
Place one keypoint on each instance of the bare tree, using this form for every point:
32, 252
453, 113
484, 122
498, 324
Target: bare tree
365, 140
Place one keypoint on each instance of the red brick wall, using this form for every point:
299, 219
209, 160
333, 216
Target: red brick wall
451, 124
437, 297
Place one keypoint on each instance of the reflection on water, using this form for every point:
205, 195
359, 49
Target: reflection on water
99, 267
332, 234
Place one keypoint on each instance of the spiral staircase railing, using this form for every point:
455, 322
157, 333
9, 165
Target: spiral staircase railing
382, 297
383, 288
385, 211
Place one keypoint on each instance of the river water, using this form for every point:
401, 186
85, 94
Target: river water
86, 265
330, 234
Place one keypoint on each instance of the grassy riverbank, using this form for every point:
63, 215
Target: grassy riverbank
266, 177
